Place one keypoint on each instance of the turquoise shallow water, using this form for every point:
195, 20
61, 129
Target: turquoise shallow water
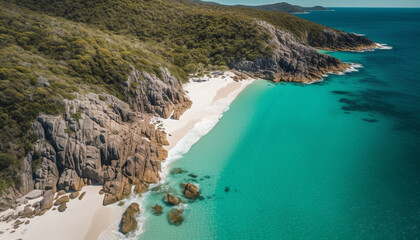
338, 159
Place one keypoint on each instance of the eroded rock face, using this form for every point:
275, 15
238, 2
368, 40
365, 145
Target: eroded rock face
161, 97
340, 41
116, 189
141, 188
70, 181
103, 140
47, 176
128, 221
291, 60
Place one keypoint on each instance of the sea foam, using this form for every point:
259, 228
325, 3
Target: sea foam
383, 46
184, 145
379, 46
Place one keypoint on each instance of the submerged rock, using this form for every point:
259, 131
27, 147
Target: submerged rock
177, 171
158, 188
157, 209
370, 120
128, 221
227, 189
176, 217
191, 190
192, 175
171, 199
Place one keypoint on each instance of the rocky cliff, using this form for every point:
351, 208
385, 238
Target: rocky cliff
291, 60
334, 40
161, 97
103, 140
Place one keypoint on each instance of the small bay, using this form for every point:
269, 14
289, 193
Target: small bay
338, 159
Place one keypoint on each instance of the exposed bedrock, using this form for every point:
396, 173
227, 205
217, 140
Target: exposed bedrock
340, 41
102, 140
291, 60
162, 97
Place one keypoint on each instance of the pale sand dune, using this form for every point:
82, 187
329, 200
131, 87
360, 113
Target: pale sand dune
88, 218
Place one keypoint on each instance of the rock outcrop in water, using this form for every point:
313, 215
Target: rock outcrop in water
293, 61
191, 190
157, 209
171, 199
334, 40
175, 216
128, 221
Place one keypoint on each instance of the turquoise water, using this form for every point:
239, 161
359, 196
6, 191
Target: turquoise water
338, 159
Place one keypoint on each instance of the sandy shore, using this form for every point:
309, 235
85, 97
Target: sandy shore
210, 99
83, 219
88, 218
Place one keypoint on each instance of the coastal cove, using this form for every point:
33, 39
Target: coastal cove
144, 120
334, 159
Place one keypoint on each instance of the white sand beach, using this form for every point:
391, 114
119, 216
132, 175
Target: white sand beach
88, 218
83, 219
210, 99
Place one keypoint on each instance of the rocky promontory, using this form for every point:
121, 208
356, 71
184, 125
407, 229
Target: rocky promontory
334, 40
103, 140
291, 61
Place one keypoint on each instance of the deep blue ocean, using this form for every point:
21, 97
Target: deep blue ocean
339, 159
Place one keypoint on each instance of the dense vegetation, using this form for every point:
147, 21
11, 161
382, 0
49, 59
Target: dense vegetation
42, 61
191, 35
275, 7
190, 31
51, 49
